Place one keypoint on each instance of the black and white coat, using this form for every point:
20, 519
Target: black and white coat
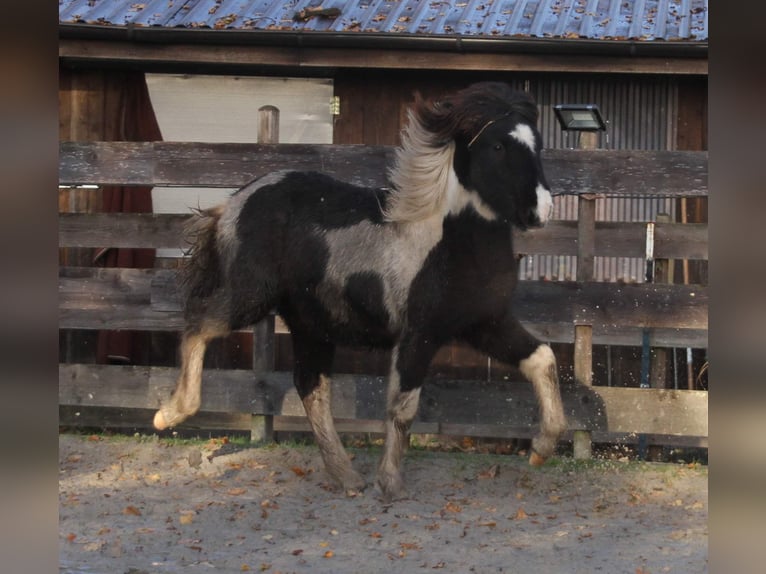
409, 268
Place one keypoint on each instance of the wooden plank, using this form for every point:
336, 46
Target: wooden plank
214, 165
603, 172
601, 304
510, 405
146, 299
127, 419
122, 230
462, 56
586, 237
612, 239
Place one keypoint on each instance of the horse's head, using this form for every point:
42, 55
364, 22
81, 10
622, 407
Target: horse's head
497, 149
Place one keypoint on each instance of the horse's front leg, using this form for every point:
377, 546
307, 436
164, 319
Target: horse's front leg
313, 362
409, 365
509, 342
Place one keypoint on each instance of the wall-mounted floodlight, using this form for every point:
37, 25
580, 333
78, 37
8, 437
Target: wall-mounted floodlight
579, 117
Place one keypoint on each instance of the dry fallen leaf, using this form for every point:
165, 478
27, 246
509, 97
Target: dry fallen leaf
94, 546
452, 507
186, 518
298, 471
131, 510
520, 514
491, 472
329, 554
236, 491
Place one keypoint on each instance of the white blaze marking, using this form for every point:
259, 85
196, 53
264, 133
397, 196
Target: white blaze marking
544, 203
524, 134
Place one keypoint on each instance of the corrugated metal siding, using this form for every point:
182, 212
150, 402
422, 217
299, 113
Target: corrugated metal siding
645, 20
641, 115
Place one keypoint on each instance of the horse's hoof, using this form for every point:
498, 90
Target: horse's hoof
159, 421
354, 486
390, 490
536, 460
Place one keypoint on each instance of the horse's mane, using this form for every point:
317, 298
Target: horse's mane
422, 173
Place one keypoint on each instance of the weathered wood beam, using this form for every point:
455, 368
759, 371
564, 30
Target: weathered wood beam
601, 172
443, 406
94, 51
676, 315
612, 239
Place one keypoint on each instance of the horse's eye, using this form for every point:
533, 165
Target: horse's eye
498, 147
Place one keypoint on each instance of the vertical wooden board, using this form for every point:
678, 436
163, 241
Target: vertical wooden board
114, 106
347, 128
65, 103
692, 122
586, 237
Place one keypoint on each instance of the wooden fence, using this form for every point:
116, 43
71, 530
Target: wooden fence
582, 312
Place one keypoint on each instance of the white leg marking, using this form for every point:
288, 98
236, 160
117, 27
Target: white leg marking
336, 461
402, 408
186, 397
544, 204
524, 134
540, 369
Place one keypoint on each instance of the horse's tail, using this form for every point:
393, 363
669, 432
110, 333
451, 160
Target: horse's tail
202, 273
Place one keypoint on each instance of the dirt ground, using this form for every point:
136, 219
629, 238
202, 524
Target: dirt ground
135, 505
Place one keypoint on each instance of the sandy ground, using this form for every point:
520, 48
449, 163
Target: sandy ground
142, 505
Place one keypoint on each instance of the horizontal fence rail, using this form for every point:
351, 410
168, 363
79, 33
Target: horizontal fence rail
612, 239
606, 172
147, 299
497, 408
92, 298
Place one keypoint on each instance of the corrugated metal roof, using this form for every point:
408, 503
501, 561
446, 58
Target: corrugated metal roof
642, 20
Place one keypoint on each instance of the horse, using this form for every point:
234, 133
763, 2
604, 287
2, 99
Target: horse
409, 267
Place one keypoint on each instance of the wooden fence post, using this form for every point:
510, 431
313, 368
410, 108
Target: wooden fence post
262, 426
583, 372
583, 343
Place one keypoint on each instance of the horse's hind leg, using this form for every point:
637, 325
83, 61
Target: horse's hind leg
186, 397
313, 363
509, 342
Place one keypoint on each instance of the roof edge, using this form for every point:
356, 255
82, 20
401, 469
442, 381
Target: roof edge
355, 40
